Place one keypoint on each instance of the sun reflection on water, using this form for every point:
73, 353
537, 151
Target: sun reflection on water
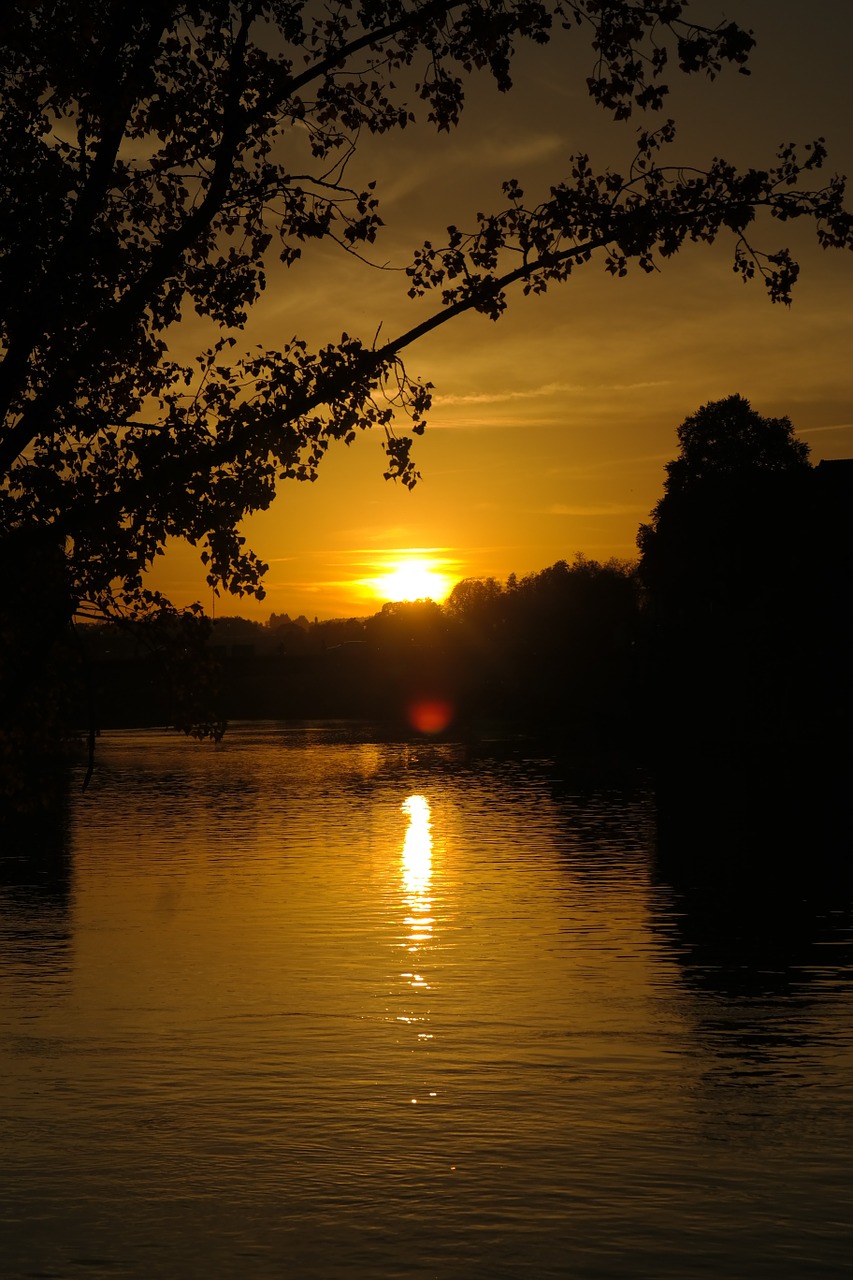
416, 861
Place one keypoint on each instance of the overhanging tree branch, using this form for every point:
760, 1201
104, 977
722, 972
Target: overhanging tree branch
111, 323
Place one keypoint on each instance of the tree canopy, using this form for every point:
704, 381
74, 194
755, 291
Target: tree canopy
728, 507
729, 438
745, 566
156, 159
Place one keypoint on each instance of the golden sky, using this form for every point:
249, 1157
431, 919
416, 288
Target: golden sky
550, 430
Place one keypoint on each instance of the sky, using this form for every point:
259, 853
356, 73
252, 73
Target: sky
550, 430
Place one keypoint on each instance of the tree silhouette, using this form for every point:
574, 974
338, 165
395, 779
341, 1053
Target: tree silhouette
155, 159
722, 531
740, 564
552, 649
728, 438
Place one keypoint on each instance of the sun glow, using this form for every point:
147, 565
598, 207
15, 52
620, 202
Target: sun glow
411, 579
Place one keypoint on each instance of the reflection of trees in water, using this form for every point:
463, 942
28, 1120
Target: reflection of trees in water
767, 807
761, 930
757, 927
739, 898
760, 882
765, 1005
604, 815
36, 885
755, 939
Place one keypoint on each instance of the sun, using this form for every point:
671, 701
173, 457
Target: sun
411, 579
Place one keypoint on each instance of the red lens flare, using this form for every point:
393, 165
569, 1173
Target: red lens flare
430, 715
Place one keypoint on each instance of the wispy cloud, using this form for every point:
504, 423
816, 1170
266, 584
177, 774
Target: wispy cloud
548, 389
349, 555
522, 151
486, 154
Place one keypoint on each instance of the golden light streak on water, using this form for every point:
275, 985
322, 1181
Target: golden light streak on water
416, 859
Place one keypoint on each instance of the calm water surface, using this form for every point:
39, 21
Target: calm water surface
311, 1005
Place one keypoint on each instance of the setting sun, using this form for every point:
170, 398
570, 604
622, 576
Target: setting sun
411, 579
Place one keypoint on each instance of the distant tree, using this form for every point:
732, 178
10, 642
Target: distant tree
726, 503
479, 602
553, 647
729, 438
725, 562
572, 620
402, 625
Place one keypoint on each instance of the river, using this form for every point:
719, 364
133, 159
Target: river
315, 1004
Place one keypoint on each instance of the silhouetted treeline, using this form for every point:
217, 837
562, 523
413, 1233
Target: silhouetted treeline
555, 648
